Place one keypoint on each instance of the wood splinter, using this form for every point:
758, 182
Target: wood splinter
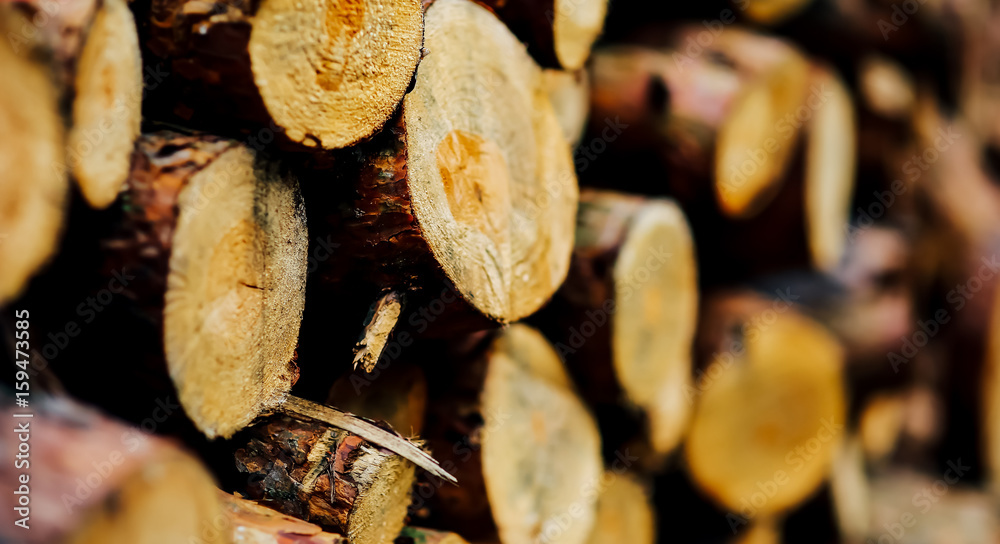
384, 315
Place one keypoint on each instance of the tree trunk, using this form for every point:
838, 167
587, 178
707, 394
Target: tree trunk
763, 360
94, 49
319, 74
94, 480
721, 113
509, 422
448, 207
216, 237
32, 188
625, 319
559, 33
327, 476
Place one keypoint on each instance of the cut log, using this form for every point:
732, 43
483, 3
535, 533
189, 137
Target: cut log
771, 408
217, 238
624, 512
252, 523
94, 480
627, 313
94, 49
468, 200
727, 114
328, 476
569, 93
559, 33
523, 444
830, 170
106, 104
399, 397
32, 186
324, 74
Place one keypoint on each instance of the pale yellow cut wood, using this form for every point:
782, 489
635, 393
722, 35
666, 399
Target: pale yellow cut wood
885, 87
167, 500
332, 72
385, 313
576, 25
235, 291
756, 142
569, 93
881, 424
540, 458
490, 174
775, 415
656, 308
831, 140
624, 512
107, 104
33, 182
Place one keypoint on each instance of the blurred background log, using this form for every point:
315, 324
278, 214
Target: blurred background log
624, 320
33, 187
510, 415
93, 479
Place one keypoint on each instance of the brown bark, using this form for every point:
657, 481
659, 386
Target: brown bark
327, 476
497, 428
546, 29
242, 65
624, 319
91, 479
212, 233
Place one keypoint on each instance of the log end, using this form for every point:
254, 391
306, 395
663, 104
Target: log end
656, 307
235, 291
33, 184
332, 73
106, 108
490, 174
541, 445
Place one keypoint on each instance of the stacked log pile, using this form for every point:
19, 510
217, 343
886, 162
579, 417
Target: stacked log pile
499, 271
